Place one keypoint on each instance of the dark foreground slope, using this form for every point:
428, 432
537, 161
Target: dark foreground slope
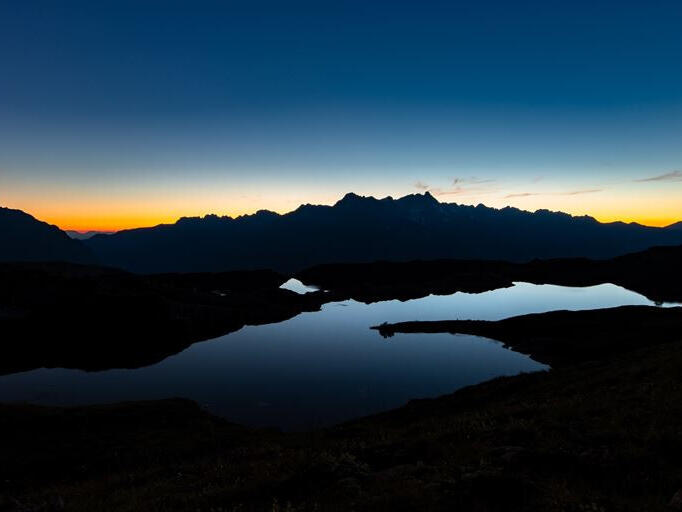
601, 436
23, 238
363, 229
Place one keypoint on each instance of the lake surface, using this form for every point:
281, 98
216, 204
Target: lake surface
325, 367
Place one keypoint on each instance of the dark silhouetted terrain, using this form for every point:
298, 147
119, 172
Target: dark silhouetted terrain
125, 320
364, 229
131, 320
24, 238
655, 273
594, 436
600, 431
561, 338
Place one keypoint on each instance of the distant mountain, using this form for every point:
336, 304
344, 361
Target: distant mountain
24, 238
358, 229
675, 227
84, 235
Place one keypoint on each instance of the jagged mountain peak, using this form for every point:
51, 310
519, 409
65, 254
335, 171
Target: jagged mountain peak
361, 228
351, 198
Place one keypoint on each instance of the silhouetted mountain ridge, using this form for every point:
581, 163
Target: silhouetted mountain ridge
360, 229
24, 238
84, 235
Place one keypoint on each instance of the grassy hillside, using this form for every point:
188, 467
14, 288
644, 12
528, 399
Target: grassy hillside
590, 437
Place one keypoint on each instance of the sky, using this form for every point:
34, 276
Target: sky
124, 114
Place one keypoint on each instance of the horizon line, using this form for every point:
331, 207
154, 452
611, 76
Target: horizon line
109, 229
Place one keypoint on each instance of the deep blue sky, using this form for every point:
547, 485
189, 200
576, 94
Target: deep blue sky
122, 113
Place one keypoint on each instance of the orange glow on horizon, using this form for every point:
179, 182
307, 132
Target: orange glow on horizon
72, 211
117, 222
112, 224
123, 222
657, 223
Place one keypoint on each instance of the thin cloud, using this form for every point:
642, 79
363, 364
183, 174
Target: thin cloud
569, 193
460, 187
455, 191
458, 190
668, 176
472, 180
580, 192
522, 194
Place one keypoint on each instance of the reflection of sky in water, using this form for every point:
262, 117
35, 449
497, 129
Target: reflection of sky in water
327, 366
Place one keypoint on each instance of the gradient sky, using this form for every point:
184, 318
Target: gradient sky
122, 114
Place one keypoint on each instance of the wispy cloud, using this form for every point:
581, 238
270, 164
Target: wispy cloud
580, 192
454, 191
568, 193
460, 187
458, 190
668, 176
522, 194
472, 180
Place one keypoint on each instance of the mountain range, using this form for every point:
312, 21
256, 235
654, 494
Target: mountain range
360, 229
355, 229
